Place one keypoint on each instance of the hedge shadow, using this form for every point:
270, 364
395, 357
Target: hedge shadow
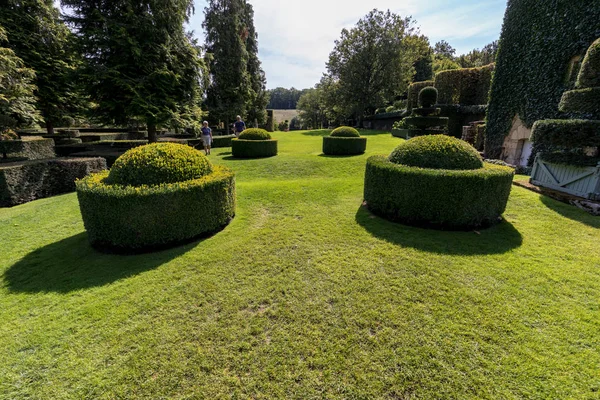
72, 264
497, 239
571, 212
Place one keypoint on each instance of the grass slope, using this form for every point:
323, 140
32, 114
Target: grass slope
304, 296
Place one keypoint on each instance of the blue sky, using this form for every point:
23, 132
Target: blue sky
296, 37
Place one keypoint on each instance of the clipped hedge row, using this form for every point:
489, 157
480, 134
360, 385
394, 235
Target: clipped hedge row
464, 86
413, 93
538, 42
459, 199
337, 146
581, 101
568, 133
25, 181
126, 218
253, 148
30, 148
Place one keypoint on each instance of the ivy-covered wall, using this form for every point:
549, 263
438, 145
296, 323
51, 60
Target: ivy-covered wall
539, 40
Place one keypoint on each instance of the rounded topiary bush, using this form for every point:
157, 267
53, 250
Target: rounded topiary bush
344, 141
159, 163
458, 191
345, 131
183, 198
254, 143
438, 152
428, 96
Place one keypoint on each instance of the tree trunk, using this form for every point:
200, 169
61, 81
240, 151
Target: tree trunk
152, 133
50, 127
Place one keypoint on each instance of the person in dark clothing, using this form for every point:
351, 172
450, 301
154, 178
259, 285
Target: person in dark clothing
239, 126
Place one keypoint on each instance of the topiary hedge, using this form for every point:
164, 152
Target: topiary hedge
339, 145
464, 86
413, 93
32, 148
538, 42
568, 133
437, 152
254, 143
133, 208
345, 131
448, 199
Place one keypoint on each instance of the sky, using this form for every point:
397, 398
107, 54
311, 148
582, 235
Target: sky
296, 37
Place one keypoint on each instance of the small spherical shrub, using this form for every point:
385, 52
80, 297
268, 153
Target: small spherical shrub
140, 216
340, 145
428, 97
437, 151
439, 198
255, 134
159, 163
254, 143
345, 131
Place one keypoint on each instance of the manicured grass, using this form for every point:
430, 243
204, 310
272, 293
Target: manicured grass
304, 295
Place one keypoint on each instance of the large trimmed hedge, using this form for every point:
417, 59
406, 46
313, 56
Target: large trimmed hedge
253, 148
146, 217
25, 181
30, 148
413, 93
464, 86
339, 145
538, 41
448, 199
567, 133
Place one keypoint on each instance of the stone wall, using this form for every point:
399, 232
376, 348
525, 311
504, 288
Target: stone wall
515, 142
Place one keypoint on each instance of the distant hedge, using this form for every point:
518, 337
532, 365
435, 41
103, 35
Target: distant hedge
459, 199
464, 86
29, 180
127, 218
30, 148
538, 41
336, 145
413, 93
253, 148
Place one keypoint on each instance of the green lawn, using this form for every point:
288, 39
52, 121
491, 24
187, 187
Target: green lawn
305, 295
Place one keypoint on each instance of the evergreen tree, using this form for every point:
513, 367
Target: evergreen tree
17, 100
140, 64
40, 38
237, 80
424, 63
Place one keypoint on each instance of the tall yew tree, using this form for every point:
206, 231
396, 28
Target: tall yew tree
237, 79
39, 37
140, 64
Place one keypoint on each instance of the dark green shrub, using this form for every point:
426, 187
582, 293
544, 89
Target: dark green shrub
31, 148
255, 134
413, 93
581, 101
438, 152
589, 75
428, 97
448, 199
339, 145
159, 163
427, 122
345, 131
567, 133
538, 42
270, 126
218, 142
242, 148
464, 86
35, 179
138, 218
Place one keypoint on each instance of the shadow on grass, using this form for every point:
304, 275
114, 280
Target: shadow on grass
72, 264
363, 132
317, 132
340, 155
497, 239
571, 212
224, 153
232, 158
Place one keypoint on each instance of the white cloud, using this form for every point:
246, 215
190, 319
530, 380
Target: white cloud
296, 37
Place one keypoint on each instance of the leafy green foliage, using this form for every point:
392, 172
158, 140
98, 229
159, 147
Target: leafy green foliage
28, 148
242, 148
442, 198
428, 96
413, 93
479, 58
437, 152
345, 131
537, 46
159, 163
312, 108
344, 145
581, 101
589, 75
135, 218
26, 181
17, 99
140, 63
255, 134
284, 99
39, 37
566, 133
464, 86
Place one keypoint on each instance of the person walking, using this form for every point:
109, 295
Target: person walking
206, 137
239, 126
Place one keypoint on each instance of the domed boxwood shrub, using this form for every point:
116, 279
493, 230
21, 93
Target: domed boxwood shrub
254, 143
436, 197
141, 216
344, 141
428, 96
438, 152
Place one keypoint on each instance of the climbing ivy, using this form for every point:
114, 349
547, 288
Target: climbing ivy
538, 42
